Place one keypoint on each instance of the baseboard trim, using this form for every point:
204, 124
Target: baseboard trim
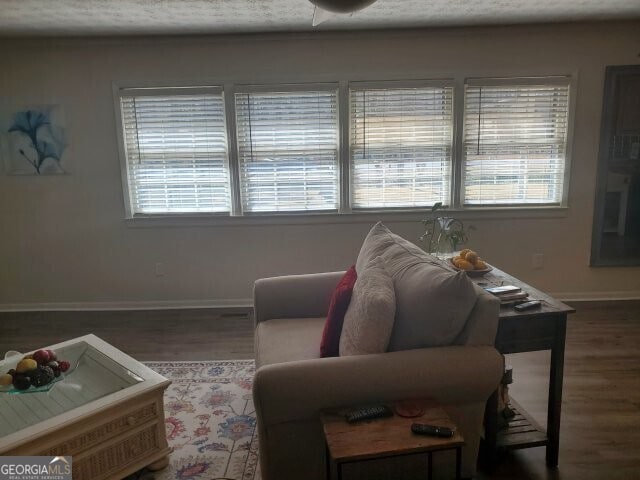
236, 305
596, 296
244, 305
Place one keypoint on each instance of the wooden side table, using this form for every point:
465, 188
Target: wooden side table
385, 437
543, 328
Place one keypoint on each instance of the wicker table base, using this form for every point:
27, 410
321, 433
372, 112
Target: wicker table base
108, 438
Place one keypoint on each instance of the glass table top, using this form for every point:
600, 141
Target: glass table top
92, 375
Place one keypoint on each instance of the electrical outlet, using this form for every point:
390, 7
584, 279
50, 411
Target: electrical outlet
537, 260
159, 269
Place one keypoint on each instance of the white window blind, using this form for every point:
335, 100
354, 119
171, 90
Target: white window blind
401, 146
176, 149
288, 150
515, 140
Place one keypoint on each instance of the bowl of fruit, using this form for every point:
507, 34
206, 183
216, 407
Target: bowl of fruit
36, 372
470, 262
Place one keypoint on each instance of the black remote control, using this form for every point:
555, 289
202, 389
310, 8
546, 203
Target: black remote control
432, 430
527, 305
367, 413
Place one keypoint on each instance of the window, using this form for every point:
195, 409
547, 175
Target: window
288, 150
401, 146
515, 141
344, 147
176, 150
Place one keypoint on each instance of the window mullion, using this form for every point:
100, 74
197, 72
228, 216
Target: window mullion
344, 142
232, 140
457, 154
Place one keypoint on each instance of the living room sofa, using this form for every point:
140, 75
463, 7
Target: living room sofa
293, 384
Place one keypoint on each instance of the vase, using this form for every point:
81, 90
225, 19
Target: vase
444, 246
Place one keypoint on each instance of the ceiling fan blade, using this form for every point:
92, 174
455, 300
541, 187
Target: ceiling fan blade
320, 16
342, 6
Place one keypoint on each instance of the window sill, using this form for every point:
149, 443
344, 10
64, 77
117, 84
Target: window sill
205, 220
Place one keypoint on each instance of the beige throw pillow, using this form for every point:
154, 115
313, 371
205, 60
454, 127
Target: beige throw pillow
369, 319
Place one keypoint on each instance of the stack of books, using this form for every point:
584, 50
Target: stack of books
508, 294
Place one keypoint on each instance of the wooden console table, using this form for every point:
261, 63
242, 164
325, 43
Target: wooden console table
542, 328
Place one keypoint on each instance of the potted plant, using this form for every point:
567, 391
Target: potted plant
443, 234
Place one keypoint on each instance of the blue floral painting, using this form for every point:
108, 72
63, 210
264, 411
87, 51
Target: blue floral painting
37, 141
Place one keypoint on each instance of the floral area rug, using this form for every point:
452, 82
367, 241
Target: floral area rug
210, 421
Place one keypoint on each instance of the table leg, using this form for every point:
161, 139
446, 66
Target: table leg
489, 448
430, 466
333, 468
458, 463
159, 464
555, 392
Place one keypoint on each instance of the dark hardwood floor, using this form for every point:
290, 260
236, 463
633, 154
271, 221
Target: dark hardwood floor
600, 427
147, 335
600, 433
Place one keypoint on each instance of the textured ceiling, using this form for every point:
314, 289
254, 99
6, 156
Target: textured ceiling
124, 17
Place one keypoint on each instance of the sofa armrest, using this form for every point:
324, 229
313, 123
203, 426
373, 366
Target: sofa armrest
294, 296
482, 325
286, 392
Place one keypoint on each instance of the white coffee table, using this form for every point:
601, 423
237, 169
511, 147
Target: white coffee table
108, 414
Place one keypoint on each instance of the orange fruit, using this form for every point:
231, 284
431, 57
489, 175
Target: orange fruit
471, 257
480, 265
463, 264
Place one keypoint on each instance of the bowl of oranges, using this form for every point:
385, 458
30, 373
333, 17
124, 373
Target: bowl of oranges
470, 262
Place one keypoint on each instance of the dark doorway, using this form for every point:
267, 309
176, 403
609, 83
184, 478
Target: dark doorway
616, 225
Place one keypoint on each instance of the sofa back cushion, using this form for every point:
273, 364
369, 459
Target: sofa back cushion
432, 306
369, 319
379, 240
433, 301
375, 244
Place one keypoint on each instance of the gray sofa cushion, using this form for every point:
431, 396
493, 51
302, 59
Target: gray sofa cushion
380, 239
433, 301
375, 243
288, 340
432, 306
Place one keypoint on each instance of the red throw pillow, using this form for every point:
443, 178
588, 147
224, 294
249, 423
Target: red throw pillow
329, 346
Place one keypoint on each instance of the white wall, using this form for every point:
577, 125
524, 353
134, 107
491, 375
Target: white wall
64, 240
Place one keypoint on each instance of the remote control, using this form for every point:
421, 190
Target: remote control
527, 305
367, 413
432, 430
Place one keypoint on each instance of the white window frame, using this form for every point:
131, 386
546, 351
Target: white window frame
123, 91
565, 80
402, 84
344, 213
235, 157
